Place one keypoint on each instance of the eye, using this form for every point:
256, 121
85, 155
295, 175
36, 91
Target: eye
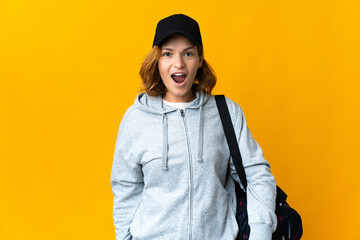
189, 54
166, 54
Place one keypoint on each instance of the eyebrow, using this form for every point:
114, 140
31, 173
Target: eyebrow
171, 49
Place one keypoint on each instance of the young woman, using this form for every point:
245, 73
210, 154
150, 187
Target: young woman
170, 169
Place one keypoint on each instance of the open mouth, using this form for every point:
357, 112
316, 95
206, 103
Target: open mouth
178, 78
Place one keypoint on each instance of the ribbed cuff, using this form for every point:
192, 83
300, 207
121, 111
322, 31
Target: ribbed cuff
260, 231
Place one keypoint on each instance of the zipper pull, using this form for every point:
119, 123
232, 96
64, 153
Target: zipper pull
182, 112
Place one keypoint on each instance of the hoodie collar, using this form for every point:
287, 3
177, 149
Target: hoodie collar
155, 105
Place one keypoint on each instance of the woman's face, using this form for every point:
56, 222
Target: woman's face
178, 65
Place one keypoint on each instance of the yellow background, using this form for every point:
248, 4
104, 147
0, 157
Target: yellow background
69, 70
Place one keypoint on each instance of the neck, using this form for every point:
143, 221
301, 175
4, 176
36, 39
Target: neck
188, 98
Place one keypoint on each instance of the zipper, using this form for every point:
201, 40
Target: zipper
182, 112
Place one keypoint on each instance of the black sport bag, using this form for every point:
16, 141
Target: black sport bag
289, 225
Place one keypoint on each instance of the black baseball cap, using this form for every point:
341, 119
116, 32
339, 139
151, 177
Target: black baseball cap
178, 23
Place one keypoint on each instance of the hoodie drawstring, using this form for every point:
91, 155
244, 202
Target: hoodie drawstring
165, 143
200, 139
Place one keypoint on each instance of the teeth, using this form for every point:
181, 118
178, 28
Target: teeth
179, 74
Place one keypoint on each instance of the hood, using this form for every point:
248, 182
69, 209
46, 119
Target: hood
155, 105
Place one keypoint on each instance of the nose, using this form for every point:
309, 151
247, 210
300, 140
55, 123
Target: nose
179, 61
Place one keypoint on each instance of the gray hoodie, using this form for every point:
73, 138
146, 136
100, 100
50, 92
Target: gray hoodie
169, 175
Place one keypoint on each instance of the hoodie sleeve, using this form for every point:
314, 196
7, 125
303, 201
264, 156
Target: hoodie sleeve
126, 181
261, 185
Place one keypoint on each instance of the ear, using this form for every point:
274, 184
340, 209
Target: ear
201, 61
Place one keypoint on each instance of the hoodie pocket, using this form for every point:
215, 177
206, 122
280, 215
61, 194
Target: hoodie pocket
136, 224
230, 204
232, 217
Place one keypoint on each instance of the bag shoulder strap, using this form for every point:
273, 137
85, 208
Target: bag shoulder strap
234, 147
231, 137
